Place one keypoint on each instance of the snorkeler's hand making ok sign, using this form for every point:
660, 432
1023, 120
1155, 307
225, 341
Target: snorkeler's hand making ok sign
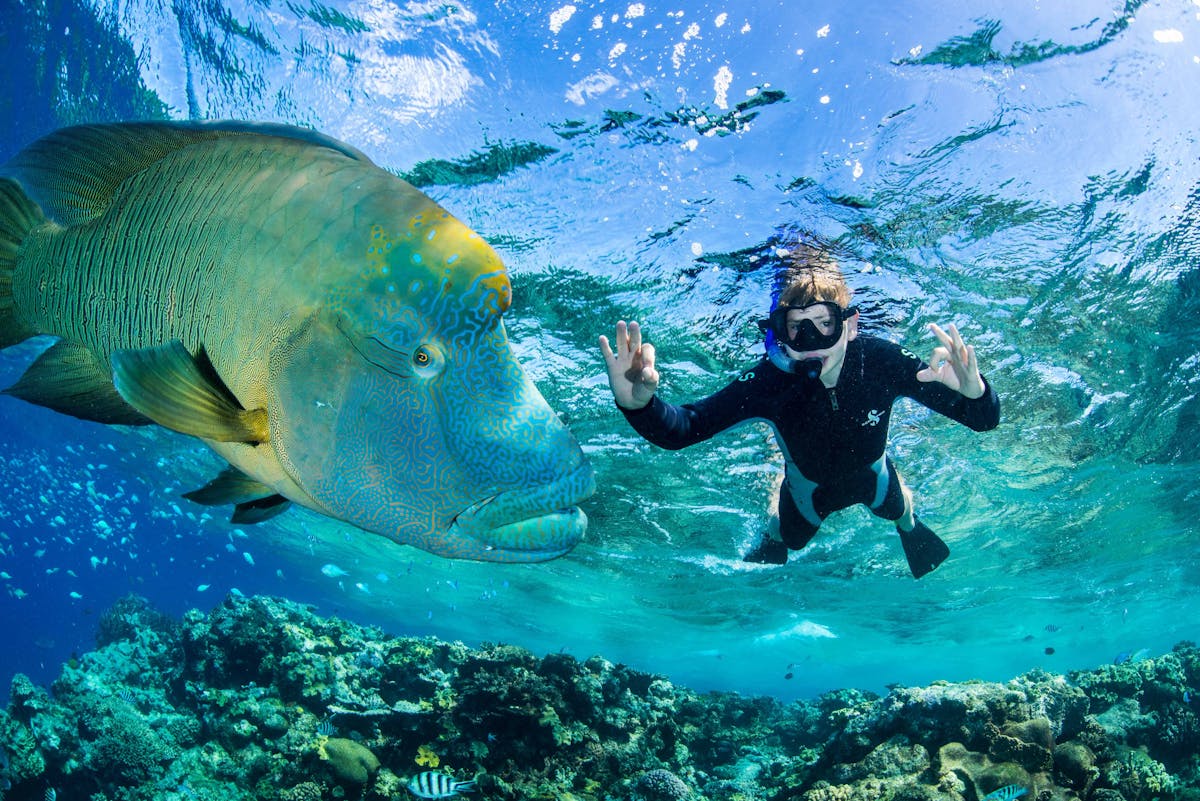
631, 372
953, 363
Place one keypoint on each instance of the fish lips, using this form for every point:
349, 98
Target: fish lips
530, 524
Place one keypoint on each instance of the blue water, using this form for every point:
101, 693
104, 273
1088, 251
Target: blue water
1027, 172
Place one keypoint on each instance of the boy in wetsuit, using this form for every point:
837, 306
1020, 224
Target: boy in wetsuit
827, 391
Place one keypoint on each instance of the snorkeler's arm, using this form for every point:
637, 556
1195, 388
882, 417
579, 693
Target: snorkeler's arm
912, 379
977, 414
673, 427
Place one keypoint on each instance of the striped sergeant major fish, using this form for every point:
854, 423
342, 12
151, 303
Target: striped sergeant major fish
434, 785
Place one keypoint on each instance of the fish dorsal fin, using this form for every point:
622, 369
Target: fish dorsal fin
69, 379
183, 393
230, 486
73, 173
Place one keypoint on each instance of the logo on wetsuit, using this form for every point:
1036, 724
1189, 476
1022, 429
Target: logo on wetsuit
874, 418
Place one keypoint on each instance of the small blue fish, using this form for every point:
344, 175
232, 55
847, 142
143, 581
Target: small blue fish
1006, 793
432, 784
1136, 656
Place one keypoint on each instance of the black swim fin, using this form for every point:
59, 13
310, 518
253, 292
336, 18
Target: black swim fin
923, 549
768, 552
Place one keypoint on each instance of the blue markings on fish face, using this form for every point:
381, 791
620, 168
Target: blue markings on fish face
402, 409
527, 467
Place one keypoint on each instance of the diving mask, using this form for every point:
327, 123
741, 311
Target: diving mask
807, 334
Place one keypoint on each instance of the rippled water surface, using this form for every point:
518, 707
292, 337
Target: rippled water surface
1026, 171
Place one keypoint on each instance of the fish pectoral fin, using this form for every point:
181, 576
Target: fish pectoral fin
254, 501
184, 393
252, 512
68, 378
231, 486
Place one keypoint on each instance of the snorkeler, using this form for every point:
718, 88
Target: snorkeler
827, 392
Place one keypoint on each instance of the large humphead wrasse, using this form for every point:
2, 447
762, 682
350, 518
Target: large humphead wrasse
323, 325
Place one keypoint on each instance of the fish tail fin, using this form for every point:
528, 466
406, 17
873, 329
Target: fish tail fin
18, 216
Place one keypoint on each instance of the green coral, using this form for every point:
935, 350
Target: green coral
426, 757
445, 698
21, 752
352, 762
305, 791
662, 785
1139, 777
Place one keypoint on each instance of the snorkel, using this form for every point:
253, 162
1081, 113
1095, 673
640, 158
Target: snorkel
809, 368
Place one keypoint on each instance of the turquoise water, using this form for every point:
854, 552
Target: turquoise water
1028, 173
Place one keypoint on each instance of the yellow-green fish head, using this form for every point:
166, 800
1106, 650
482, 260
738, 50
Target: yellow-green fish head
399, 406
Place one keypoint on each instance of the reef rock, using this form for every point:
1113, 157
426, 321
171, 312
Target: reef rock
262, 699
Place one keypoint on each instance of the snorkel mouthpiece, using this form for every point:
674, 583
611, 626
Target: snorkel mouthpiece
810, 368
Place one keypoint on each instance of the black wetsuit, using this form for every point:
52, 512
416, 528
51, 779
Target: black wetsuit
833, 440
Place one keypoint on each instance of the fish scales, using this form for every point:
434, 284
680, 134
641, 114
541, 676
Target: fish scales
149, 278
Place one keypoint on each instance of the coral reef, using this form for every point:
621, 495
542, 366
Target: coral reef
262, 699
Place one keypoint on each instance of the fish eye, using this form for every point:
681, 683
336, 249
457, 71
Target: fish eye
427, 360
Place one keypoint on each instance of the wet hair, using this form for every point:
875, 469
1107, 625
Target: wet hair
813, 276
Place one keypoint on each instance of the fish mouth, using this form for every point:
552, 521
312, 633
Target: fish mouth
530, 524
